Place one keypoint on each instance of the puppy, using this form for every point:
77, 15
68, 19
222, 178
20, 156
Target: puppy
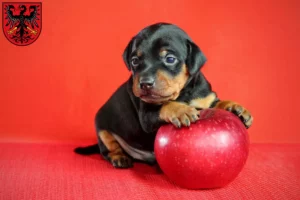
165, 86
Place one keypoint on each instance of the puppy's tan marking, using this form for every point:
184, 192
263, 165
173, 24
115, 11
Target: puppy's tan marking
116, 155
109, 141
205, 102
139, 53
178, 113
237, 109
163, 52
172, 85
166, 85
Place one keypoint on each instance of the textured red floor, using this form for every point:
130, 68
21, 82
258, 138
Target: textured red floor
53, 171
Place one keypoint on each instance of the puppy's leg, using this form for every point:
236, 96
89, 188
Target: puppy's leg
238, 110
211, 101
178, 113
112, 151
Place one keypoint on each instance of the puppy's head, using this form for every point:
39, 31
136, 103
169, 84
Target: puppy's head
161, 58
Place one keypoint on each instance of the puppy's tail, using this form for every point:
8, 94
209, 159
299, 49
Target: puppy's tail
88, 150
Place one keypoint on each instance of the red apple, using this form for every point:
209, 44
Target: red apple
208, 154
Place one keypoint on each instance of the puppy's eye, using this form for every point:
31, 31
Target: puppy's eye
135, 61
170, 59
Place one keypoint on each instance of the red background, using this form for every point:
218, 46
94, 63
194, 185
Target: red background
51, 89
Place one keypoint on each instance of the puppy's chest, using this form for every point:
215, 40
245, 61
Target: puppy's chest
142, 141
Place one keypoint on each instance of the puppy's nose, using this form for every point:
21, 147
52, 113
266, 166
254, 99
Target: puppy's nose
146, 83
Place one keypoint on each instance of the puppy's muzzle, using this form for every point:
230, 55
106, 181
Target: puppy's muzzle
146, 83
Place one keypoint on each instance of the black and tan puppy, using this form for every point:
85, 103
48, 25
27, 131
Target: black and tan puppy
166, 86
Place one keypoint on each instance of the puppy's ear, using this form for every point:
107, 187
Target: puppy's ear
127, 53
195, 59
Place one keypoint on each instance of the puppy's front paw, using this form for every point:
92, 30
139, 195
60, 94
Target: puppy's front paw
179, 114
238, 110
120, 161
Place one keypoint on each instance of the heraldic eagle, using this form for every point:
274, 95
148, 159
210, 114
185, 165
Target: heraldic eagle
24, 25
